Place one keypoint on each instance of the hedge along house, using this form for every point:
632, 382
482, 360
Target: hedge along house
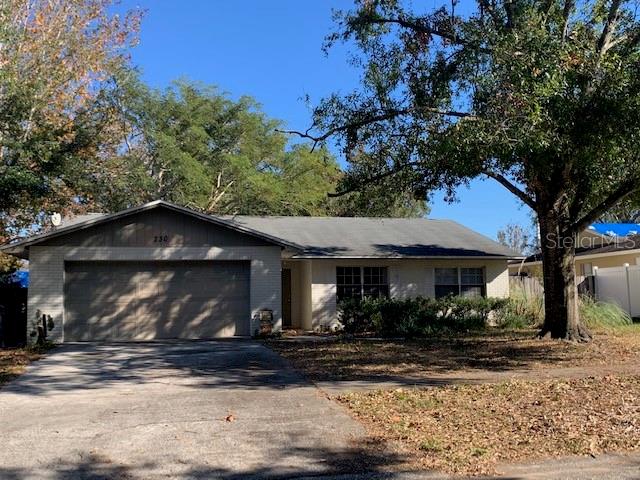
163, 271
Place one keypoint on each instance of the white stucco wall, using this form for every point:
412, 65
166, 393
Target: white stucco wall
407, 278
46, 266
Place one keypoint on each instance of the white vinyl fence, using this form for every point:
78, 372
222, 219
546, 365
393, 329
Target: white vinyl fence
619, 285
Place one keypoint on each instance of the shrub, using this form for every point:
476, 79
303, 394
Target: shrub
404, 318
417, 317
521, 310
355, 315
602, 314
513, 321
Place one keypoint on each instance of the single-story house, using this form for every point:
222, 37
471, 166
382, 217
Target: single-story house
164, 271
594, 249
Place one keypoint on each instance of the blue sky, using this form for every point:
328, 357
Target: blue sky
271, 50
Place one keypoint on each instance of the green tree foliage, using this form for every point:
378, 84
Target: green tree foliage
628, 211
53, 119
53, 68
540, 95
192, 145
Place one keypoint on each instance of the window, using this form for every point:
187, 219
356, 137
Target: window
361, 282
472, 282
447, 282
467, 282
375, 284
349, 283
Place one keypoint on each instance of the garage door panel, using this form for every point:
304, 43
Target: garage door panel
149, 300
99, 324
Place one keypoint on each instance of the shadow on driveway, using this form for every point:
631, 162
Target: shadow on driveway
205, 409
201, 364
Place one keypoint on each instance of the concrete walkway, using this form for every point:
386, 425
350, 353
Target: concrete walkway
226, 409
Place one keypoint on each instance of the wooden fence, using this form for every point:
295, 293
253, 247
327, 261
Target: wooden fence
530, 286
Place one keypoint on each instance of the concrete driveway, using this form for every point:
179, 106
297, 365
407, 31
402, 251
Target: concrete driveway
219, 409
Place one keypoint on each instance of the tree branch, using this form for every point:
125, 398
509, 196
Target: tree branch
625, 189
632, 39
416, 26
510, 10
357, 124
604, 42
566, 15
527, 199
374, 179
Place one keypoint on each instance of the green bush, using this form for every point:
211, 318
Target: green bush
417, 317
605, 315
421, 317
356, 315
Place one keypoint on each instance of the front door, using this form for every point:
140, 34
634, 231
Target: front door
286, 298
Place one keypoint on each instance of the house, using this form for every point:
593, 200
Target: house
602, 246
164, 271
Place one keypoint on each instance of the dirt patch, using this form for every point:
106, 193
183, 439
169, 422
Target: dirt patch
469, 429
494, 352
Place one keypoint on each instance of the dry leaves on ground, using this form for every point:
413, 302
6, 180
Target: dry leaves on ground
13, 361
470, 429
366, 359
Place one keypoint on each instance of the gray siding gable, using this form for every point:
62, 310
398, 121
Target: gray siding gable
158, 227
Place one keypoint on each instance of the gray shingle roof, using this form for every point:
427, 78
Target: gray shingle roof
68, 221
324, 236
376, 237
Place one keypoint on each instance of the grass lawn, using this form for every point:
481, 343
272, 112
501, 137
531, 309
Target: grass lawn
469, 429
494, 351
13, 361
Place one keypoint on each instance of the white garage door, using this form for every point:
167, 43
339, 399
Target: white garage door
123, 301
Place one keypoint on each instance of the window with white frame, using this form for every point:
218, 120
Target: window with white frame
467, 282
361, 282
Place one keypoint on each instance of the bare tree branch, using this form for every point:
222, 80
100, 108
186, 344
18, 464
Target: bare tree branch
419, 27
569, 5
510, 10
631, 38
380, 117
527, 199
604, 42
374, 179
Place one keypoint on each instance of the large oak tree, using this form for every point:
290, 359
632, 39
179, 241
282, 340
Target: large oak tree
542, 96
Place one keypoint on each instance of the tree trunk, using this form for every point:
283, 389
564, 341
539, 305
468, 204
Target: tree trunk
562, 316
